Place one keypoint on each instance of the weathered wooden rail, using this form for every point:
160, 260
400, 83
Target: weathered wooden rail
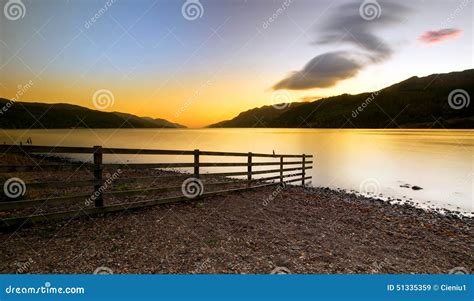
284, 163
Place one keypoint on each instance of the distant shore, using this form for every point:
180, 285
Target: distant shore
272, 229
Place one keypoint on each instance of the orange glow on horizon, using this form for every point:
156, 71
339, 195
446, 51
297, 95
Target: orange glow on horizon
189, 102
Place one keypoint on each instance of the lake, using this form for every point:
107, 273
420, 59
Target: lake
373, 162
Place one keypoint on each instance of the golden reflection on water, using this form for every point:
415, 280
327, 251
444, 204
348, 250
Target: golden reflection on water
439, 161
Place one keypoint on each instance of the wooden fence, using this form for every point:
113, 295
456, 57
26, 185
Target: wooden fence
279, 164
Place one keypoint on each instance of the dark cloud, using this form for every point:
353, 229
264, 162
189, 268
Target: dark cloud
440, 35
322, 71
346, 26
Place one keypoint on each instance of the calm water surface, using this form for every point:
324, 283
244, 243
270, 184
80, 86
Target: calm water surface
367, 161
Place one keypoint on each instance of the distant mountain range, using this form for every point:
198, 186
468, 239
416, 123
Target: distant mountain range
21, 115
258, 117
414, 103
418, 102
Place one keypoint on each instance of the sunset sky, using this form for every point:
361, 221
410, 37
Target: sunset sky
156, 61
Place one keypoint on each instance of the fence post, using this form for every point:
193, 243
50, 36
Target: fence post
281, 170
99, 200
249, 170
196, 163
304, 173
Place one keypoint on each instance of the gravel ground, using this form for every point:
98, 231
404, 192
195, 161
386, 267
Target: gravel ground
292, 229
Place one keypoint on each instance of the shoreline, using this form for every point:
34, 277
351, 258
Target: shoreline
397, 202
302, 230
388, 199
416, 204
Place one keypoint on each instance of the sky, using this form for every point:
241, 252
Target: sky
198, 62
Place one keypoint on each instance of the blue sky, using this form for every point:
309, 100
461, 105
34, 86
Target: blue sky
157, 63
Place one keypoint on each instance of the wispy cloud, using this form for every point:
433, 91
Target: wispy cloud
346, 26
440, 35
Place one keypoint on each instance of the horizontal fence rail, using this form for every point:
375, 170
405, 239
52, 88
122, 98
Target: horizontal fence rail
284, 163
127, 151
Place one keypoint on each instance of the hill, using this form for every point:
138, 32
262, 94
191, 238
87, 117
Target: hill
258, 117
418, 102
20, 115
